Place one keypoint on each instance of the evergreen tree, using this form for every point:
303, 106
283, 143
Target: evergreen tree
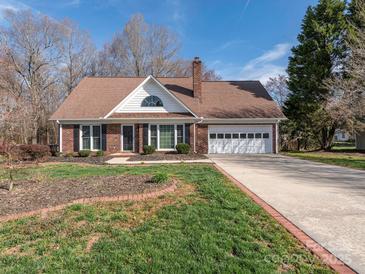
320, 53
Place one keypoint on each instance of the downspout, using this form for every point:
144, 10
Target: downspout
199, 122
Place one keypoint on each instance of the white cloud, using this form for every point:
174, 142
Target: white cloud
245, 6
228, 44
260, 68
72, 3
11, 5
279, 51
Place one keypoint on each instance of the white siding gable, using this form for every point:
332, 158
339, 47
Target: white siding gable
133, 103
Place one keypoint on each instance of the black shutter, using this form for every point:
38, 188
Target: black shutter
145, 134
187, 133
103, 137
76, 138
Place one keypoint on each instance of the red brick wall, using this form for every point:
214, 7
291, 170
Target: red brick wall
113, 138
191, 137
201, 139
67, 138
138, 138
197, 79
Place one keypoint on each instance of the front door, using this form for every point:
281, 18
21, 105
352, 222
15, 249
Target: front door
127, 136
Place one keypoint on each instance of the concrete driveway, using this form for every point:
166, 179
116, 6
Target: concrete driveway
327, 202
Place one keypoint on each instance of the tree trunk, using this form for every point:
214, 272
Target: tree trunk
327, 137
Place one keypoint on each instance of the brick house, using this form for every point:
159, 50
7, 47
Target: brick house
119, 114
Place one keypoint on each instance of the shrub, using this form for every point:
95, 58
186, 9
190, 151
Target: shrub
31, 152
160, 178
148, 149
183, 148
99, 153
84, 153
54, 150
68, 154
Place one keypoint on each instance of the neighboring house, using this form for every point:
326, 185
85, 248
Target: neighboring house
360, 140
342, 136
124, 114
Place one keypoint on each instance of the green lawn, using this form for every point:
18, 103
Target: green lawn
339, 159
207, 225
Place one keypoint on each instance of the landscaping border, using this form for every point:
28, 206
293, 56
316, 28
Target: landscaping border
325, 255
126, 197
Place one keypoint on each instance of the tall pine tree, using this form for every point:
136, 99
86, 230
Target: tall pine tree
319, 54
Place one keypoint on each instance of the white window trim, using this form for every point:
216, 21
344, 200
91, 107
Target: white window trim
91, 138
121, 138
158, 136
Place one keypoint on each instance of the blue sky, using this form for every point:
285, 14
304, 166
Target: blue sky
240, 39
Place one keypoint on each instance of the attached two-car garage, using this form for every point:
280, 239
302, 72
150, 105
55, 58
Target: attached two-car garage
240, 139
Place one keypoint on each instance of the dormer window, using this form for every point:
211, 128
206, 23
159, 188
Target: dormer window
152, 101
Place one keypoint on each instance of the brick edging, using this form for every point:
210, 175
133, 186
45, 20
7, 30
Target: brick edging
325, 255
125, 197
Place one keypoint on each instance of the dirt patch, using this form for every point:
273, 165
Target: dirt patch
31, 195
167, 156
86, 160
91, 242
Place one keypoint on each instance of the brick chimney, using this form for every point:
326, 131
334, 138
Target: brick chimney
197, 78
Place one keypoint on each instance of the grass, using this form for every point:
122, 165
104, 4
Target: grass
344, 147
207, 225
338, 159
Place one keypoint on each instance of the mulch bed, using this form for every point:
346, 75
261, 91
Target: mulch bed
167, 156
86, 160
31, 195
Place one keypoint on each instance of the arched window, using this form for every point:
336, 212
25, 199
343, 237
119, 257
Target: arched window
152, 101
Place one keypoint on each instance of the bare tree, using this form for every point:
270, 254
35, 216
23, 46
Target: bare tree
78, 53
278, 88
30, 44
42, 60
185, 69
140, 50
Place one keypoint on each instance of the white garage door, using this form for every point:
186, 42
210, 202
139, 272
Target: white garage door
240, 139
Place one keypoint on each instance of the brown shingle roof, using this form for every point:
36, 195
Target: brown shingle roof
95, 97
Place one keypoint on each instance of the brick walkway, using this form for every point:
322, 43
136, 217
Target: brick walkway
126, 197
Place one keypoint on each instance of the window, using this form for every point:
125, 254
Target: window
258, 135
152, 101
228, 135
250, 135
90, 137
167, 136
235, 135
220, 135
213, 136
179, 134
243, 135
153, 129
265, 135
